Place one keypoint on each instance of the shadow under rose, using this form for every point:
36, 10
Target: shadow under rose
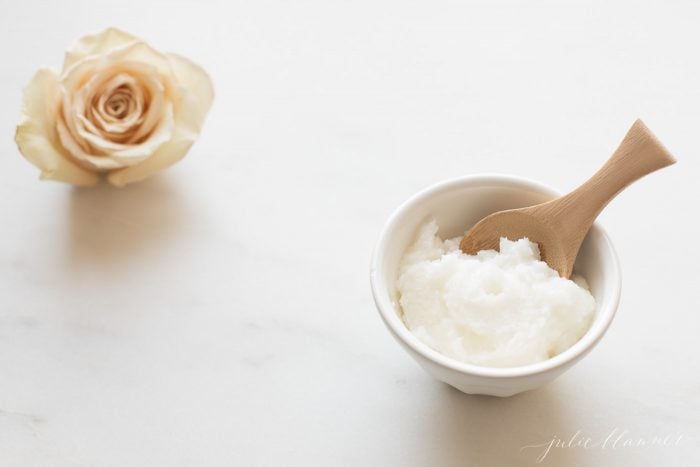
494, 432
110, 225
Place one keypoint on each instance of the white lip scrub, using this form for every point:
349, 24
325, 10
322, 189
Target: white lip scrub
492, 309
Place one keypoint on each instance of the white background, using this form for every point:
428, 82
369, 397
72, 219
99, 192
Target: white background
220, 313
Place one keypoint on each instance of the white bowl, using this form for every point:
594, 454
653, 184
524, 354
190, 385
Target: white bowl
456, 205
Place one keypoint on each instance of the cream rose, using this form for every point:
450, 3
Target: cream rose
118, 108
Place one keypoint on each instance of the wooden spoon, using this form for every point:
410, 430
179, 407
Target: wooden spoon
559, 226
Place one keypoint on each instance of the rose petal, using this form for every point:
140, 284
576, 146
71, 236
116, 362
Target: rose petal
35, 132
196, 81
73, 104
162, 133
98, 43
132, 115
84, 78
119, 129
93, 162
155, 87
99, 145
103, 151
168, 154
124, 155
137, 55
193, 98
128, 53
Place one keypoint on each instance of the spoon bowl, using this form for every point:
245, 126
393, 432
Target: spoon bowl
515, 224
559, 226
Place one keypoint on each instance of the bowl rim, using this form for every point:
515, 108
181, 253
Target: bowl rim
381, 294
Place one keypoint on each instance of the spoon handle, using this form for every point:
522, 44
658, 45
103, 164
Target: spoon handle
639, 154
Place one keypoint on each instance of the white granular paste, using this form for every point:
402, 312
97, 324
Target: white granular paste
495, 309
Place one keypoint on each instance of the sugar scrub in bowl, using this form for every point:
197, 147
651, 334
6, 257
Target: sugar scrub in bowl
495, 323
494, 284
496, 308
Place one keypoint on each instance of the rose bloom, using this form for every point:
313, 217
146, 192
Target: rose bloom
118, 108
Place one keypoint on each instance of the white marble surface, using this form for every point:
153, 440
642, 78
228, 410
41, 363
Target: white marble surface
220, 314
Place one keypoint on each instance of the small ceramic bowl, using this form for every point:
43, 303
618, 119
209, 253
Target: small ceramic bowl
456, 205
